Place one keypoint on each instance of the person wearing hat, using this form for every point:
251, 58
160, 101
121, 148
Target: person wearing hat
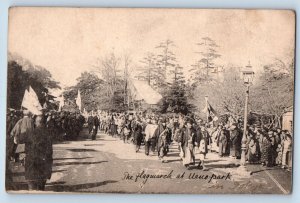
187, 143
235, 141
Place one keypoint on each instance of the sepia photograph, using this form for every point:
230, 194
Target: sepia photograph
150, 101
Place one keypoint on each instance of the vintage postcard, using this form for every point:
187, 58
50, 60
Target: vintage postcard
132, 100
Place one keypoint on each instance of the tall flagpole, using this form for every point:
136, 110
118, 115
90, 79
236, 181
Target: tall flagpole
206, 106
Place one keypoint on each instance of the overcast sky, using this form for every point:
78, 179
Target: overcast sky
68, 41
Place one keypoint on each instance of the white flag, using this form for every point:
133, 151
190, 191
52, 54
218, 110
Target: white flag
31, 102
25, 101
78, 100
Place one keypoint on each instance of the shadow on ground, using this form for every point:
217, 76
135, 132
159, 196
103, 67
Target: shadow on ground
57, 187
78, 163
82, 150
72, 158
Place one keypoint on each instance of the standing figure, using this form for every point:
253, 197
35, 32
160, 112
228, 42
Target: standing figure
200, 146
273, 153
126, 132
96, 124
187, 143
215, 134
163, 134
253, 149
150, 136
235, 142
222, 142
90, 123
38, 149
205, 137
113, 126
287, 152
265, 150
21, 131
138, 133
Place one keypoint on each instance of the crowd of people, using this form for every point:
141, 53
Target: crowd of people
195, 137
156, 133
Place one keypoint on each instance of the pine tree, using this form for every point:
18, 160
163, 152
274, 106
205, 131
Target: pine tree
149, 71
165, 61
206, 63
176, 100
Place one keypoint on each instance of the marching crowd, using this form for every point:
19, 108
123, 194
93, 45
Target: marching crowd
195, 138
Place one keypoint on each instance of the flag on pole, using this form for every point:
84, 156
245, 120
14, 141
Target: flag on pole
210, 112
78, 100
31, 102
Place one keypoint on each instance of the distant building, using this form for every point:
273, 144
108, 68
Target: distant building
141, 95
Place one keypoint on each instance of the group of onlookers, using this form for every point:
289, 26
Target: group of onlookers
268, 146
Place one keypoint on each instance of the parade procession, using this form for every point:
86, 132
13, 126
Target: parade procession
158, 119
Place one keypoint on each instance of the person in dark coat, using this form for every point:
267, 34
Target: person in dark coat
222, 142
266, 145
39, 160
235, 142
90, 123
274, 144
162, 139
96, 124
187, 142
112, 125
137, 127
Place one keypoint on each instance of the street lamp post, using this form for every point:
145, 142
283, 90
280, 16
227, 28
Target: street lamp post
248, 75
